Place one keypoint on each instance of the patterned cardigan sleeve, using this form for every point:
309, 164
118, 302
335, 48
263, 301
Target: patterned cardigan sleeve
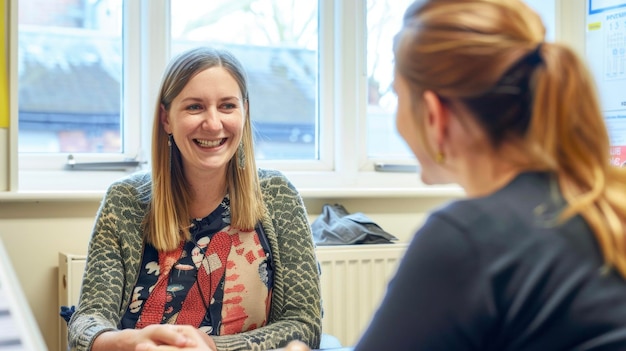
104, 279
296, 302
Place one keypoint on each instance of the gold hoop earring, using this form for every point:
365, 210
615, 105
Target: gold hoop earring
440, 157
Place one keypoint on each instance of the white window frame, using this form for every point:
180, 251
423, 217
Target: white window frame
41, 171
343, 167
343, 113
130, 105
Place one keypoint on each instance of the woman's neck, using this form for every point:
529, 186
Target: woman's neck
207, 193
487, 181
485, 173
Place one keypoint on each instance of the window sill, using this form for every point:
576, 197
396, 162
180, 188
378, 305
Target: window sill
90, 186
50, 196
81, 195
421, 192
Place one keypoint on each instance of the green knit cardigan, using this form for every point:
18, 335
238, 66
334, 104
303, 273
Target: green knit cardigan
115, 252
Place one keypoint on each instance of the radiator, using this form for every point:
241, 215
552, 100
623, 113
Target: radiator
353, 280
71, 268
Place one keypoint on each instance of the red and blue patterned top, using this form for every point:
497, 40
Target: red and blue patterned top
220, 281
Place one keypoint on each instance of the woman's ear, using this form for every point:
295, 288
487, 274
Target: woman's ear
163, 117
437, 118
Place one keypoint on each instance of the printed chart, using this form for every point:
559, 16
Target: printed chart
606, 55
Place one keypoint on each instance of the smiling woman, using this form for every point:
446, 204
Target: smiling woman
208, 240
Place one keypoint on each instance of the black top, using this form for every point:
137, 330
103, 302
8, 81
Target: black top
501, 273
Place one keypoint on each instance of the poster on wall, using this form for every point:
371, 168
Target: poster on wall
606, 55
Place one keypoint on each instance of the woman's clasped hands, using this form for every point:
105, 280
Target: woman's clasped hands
176, 337
167, 337
297, 346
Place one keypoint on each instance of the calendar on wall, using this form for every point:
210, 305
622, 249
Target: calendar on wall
606, 55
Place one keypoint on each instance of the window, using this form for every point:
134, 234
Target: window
384, 20
276, 41
78, 95
70, 76
320, 74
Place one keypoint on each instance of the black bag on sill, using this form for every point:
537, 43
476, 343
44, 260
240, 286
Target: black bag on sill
335, 226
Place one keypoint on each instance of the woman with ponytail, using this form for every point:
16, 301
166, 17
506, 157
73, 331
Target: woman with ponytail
535, 257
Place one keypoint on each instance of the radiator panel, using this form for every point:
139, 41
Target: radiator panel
354, 280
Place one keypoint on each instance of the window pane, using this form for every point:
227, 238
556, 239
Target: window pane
276, 41
70, 74
384, 20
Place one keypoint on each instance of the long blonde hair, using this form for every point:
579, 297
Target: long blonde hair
167, 222
489, 55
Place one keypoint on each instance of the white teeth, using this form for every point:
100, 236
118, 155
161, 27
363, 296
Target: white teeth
208, 143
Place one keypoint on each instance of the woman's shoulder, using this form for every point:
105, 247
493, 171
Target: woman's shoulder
266, 174
138, 178
138, 185
516, 202
275, 186
271, 178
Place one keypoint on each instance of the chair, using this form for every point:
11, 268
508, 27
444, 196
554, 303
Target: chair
329, 341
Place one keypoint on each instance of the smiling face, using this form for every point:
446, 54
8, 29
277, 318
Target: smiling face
206, 120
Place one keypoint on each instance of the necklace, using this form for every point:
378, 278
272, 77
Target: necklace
209, 256
203, 261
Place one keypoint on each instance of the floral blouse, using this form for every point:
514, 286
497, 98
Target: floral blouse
220, 281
